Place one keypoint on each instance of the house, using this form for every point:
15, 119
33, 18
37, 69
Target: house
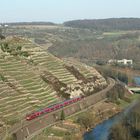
112, 61
124, 62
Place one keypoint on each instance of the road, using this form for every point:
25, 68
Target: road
27, 129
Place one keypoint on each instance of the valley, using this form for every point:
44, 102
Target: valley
45, 64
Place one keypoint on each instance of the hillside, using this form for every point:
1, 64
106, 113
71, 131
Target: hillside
102, 47
86, 45
106, 24
31, 79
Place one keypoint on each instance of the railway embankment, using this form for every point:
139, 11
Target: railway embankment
71, 129
75, 126
27, 130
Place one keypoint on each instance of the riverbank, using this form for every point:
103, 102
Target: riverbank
101, 112
70, 130
128, 126
108, 124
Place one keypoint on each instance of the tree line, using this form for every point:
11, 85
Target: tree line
129, 127
106, 24
107, 72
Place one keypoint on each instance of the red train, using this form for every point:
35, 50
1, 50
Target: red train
52, 108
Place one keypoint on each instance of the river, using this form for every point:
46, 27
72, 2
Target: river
137, 80
102, 131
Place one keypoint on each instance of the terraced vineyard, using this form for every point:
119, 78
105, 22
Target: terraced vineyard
53, 65
31, 91
22, 90
83, 68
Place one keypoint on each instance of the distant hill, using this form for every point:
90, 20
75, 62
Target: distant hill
31, 23
106, 24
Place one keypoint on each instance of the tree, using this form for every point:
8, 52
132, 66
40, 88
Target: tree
86, 120
123, 77
129, 127
2, 78
25, 54
19, 48
2, 37
4, 47
62, 115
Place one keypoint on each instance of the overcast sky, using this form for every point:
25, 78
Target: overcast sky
62, 10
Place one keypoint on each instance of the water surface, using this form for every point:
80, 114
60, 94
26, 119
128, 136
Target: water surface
137, 80
101, 131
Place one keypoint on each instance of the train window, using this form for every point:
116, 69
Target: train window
34, 116
37, 114
66, 103
52, 109
41, 112
70, 101
49, 110
58, 106
61, 105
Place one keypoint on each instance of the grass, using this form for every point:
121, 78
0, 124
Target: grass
115, 34
135, 96
54, 132
124, 104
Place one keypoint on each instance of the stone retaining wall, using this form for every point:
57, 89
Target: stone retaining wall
31, 128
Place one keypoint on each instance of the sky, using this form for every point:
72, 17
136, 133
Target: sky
59, 11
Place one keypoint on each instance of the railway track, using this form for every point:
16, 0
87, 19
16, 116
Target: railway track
28, 129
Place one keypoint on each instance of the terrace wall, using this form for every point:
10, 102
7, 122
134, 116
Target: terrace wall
31, 128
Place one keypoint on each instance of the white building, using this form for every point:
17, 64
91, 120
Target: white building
125, 62
112, 61
122, 62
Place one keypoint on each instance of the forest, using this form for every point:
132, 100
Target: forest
106, 24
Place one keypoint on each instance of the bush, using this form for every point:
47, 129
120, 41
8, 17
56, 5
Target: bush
14, 50
118, 92
2, 78
62, 115
107, 72
86, 120
100, 62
